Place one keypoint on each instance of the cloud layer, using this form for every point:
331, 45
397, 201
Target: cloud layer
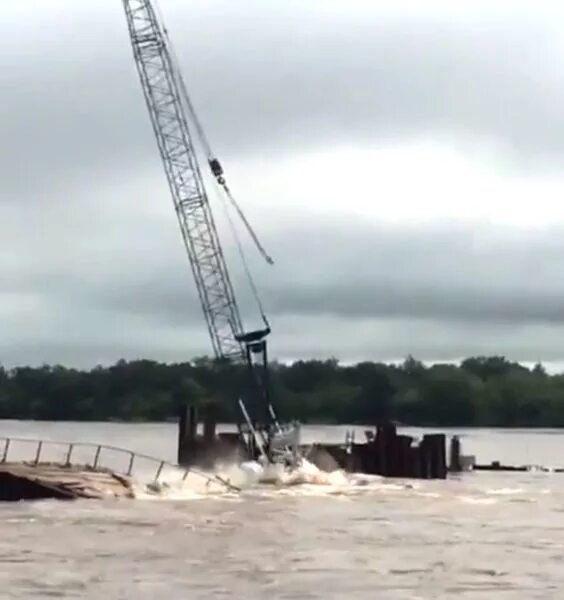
329, 118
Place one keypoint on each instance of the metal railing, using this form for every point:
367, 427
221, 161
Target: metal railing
97, 457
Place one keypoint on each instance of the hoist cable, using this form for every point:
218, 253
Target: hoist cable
250, 230
241, 251
204, 141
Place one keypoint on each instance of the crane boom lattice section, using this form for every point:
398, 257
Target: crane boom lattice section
168, 116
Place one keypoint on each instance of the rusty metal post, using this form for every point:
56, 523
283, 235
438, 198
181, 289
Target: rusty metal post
6, 448
38, 453
97, 457
159, 470
69, 454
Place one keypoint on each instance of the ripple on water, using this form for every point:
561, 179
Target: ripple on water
474, 538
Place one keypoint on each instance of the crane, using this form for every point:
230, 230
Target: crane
177, 128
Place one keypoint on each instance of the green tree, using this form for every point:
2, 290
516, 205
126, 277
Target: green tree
481, 391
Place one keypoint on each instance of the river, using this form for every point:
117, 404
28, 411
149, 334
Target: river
478, 535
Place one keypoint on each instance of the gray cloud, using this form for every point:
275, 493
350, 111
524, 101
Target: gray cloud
271, 79
358, 290
463, 273
92, 268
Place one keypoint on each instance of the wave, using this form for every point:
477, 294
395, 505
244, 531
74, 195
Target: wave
236, 479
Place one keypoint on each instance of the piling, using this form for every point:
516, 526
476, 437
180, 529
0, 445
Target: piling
414, 468
455, 462
385, 445
390, 454
187, 431
433, 449
403, 455
210, 423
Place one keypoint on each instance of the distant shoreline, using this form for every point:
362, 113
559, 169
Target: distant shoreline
480, 392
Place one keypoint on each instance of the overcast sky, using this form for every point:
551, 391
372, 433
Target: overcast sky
402, 162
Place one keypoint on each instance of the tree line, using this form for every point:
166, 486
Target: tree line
480, 391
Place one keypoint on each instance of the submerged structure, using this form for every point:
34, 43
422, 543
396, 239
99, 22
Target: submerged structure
384, 452
33, 469
23, 481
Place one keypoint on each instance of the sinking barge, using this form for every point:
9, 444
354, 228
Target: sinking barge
22, 481
32, 469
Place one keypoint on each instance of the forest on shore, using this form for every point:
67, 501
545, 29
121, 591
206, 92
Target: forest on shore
480, 391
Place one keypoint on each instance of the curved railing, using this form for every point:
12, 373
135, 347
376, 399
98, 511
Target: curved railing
95, 456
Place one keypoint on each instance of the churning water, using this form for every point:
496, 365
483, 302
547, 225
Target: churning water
302, 535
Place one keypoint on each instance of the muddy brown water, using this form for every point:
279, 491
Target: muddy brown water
481, 535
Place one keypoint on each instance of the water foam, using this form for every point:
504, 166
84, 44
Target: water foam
249, 476
505, 491
179, 485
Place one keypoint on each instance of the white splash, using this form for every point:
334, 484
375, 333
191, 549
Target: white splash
476, 500
505, 491
179, 485
257, 477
